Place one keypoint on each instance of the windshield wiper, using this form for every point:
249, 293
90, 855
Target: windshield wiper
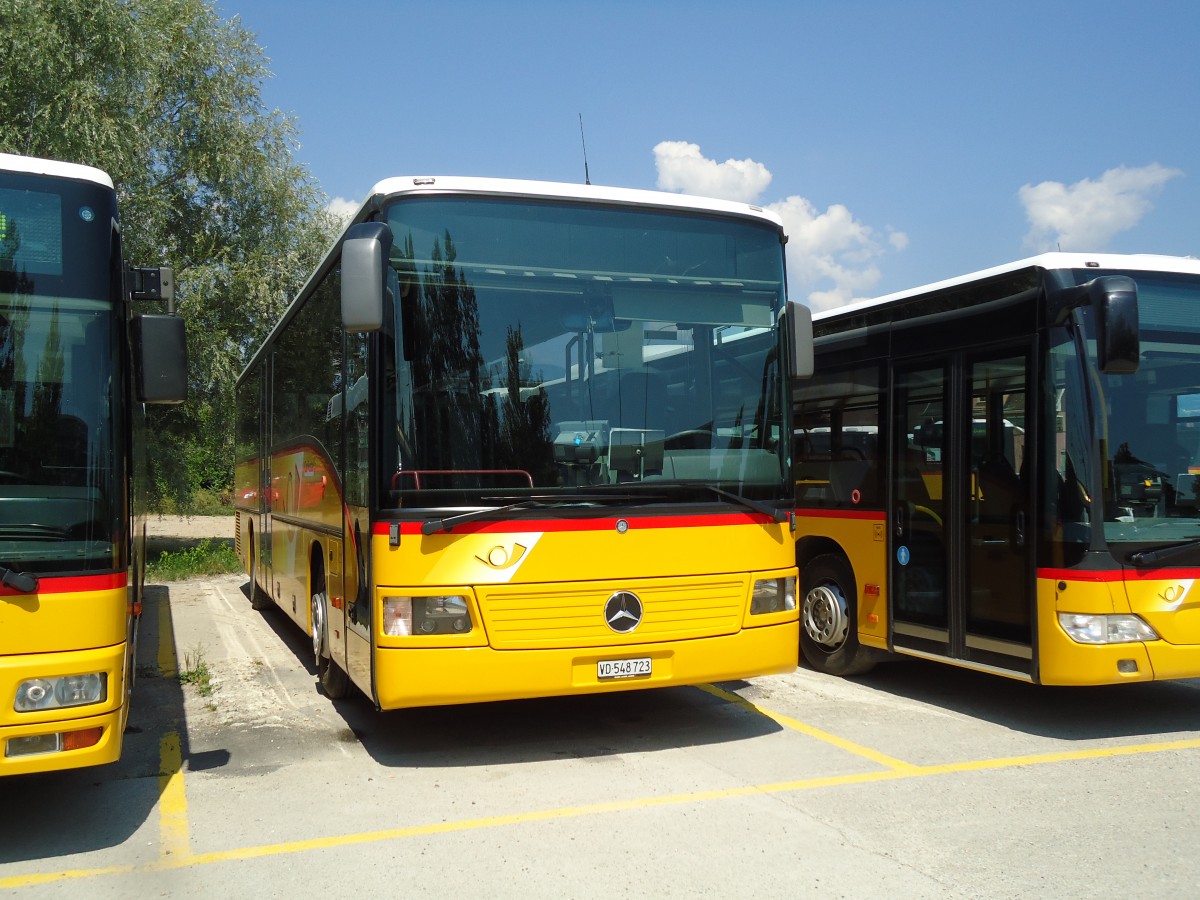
1150, 557
776, 513
22, 582
433, 526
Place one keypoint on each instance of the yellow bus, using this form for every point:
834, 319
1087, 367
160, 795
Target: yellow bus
1002, 472
77, 363
521, 439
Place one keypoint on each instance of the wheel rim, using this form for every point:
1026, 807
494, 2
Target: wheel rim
826, 616
318, 624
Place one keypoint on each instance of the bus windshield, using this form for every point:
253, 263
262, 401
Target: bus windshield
60, 510
541, 347
1152, 422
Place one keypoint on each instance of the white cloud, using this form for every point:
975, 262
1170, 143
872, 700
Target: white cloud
831, 257
1087, 214
681, 167
343, 209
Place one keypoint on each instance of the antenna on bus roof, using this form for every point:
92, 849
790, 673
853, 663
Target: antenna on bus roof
587, 179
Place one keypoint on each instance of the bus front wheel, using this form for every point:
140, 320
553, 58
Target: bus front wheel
829, 619
334, 680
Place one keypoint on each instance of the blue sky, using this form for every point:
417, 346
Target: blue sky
902, 142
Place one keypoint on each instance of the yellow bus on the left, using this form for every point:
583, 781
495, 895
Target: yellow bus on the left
79, 359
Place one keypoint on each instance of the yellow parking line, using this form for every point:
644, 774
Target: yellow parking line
896, 765
172, 801
905, 771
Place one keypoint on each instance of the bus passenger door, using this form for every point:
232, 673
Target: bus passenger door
960, 516
998, 551
920, 539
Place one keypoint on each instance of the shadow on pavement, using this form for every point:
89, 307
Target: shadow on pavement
517, 731
59, 814
1067, 713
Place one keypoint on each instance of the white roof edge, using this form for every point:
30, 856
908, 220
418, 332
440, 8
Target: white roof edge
1147, 262
394, 187
10, 162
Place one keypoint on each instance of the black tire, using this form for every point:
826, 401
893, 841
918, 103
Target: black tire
829, 618
334, 681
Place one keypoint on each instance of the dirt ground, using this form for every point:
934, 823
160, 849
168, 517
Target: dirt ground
176, 533
193, 527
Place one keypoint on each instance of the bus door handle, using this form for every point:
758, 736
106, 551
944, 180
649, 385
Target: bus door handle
901, 516
1019, 528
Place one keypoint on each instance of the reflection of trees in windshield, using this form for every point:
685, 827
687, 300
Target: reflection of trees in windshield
525, 422
446, 360
462, 421
30, 409
502, 373
48, 389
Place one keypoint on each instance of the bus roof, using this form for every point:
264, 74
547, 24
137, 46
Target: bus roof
10, 162
394, 187
1146, 262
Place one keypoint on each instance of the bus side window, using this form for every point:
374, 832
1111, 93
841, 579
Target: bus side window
837, 444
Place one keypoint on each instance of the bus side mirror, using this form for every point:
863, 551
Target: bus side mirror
159, 358
1116, 306
797, 323
365, 254
1114, 303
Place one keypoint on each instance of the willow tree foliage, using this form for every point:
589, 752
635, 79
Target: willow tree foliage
165, 95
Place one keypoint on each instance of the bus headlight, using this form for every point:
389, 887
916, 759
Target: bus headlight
1106, 629
406, 616
56, 693
773, 595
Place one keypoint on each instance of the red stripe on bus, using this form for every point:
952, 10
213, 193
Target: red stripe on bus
74, 584
1106, 575
605, 524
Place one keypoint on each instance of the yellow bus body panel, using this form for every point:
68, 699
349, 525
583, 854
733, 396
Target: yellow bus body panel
52, 634
109, 714
1169, 601
50, 622
537, 602
406, 678
495, 557
863, 540
1168, 604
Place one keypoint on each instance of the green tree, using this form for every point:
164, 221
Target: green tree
165, 95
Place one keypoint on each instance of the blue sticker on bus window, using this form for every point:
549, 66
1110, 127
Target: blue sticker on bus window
86, 213
902, 555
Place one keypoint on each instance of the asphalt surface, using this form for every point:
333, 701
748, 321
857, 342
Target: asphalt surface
914, 781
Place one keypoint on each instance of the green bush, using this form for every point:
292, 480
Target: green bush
207, 558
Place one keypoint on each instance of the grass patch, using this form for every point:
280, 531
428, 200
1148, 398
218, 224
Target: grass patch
206, 558
195, 671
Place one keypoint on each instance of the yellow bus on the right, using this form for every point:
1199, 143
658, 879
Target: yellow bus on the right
1001, 471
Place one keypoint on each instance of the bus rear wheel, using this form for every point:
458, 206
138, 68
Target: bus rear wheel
334, 680
829, 619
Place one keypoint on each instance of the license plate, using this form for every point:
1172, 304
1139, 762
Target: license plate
622, 668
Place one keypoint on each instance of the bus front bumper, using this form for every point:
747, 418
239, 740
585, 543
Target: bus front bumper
1064, 662
418, 677
50, 746
61, 737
